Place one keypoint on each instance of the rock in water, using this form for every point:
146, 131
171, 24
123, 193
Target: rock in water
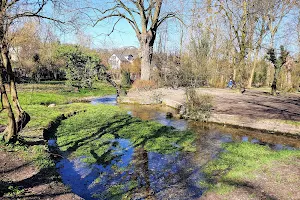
169, 115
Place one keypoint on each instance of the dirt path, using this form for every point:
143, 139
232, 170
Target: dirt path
255, 104
253, 109
28, 182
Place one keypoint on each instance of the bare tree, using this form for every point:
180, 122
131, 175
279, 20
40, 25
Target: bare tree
12, 12
144, 17
277, 10
237, 15
260, 28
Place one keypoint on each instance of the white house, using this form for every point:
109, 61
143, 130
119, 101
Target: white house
116, 60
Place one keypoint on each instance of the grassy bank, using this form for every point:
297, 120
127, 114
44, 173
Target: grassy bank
243, 163
112, 140
32, 150
93, 133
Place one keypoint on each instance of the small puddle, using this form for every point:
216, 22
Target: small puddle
136, 173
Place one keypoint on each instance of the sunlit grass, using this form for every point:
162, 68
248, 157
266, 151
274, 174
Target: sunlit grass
238, 162
34, 99
91, 134
46, 94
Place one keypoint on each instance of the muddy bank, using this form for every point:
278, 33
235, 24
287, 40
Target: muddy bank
254, 109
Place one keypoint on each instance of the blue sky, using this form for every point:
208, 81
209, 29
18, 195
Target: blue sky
124, 35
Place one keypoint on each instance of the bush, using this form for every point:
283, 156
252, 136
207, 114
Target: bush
198, 107
142, 85
81, 65
125, 81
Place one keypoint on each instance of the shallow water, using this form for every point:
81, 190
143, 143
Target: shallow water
138, 174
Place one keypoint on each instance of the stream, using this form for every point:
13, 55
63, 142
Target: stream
152, 175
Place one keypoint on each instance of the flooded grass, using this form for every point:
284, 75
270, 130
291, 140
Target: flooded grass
112, 155
116, 156
92, 132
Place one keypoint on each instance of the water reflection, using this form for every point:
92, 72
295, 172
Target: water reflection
138, 174
157, 167
217, 133
111, 100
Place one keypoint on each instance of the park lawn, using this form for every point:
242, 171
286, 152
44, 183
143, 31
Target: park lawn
243, 163
34, 98
58, 93
32, 150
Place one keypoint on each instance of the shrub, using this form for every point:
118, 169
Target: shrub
142, 85
125, 81
198, 107
81, 65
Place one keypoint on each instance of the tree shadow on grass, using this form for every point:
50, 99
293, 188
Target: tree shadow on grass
44, 176
112, 126
153, 137
29, 142
251, 189
16, 168
111, 145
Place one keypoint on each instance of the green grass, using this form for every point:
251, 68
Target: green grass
91, 134
32, 94
291, 122
14, 191
31, 97
41, 116
238, 162
39, 98
34, 99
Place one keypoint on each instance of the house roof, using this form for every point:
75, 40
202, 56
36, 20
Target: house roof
122, 53
124, 57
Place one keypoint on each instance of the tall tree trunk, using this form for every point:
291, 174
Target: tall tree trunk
1, 97
146, 54
13, 88
21, 117
234, 72
268, 75
289, 67
146, 40
10, 133
253, 70
289, 79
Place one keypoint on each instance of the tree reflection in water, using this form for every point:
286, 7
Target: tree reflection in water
149, 175
136, 173
133, 159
